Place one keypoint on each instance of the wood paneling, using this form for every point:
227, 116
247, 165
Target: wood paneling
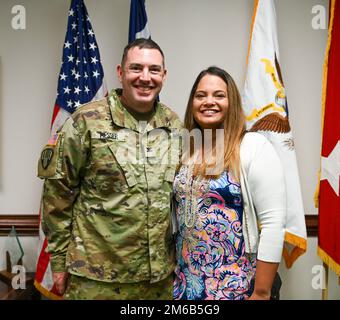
25, 224
28, 225
312, 225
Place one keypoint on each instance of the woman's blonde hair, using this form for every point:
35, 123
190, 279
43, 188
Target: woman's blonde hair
234, 126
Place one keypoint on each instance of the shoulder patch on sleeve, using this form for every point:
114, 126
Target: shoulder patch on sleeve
46, 157
50, 158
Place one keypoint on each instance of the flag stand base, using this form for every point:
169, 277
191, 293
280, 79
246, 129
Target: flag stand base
6, 276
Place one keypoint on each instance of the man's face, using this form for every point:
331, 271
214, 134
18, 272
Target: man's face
142, 78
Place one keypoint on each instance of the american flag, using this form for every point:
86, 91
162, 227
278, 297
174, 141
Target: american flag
81, 80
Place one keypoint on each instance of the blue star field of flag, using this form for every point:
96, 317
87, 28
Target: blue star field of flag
81, 73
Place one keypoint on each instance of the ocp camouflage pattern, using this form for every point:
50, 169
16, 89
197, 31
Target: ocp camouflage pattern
107, 193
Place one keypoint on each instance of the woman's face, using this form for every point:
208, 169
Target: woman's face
210, 103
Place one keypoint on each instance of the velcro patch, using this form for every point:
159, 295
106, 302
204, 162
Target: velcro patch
49, 159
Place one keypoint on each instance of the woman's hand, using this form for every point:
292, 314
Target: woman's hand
264, 277
260, 296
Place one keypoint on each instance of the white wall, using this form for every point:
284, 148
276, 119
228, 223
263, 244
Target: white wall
193, 34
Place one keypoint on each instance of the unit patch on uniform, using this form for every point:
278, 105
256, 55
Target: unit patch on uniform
46, 157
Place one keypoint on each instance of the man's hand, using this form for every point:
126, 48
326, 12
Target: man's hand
60, 281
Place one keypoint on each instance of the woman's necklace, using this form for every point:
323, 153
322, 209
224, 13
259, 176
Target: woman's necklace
195, 187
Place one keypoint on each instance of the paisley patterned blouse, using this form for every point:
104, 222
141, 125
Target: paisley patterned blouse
211, 259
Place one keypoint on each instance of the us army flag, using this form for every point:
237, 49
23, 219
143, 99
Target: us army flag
265, 106
329, 194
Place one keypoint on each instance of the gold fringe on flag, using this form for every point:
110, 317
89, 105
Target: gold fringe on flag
329, 261
300, 247
45, 292
252, 28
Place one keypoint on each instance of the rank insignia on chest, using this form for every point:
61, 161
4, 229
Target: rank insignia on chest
46, 157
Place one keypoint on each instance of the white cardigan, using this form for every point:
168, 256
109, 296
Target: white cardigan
264, 198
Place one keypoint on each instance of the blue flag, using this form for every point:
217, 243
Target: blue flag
138, 27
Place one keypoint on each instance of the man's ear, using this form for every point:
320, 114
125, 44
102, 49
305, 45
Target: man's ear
119, 72
165, 74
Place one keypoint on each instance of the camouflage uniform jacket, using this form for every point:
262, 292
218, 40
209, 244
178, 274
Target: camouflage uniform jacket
107, 193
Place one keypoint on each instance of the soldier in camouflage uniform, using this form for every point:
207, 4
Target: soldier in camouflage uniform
107, 192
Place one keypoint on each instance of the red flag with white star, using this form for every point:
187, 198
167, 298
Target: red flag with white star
329, 195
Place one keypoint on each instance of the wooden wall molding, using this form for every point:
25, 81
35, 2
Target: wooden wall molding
28, 224
25, 224
312, 225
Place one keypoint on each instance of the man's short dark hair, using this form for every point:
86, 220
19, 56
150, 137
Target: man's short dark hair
141, 43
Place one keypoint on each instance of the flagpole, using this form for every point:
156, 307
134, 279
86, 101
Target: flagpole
325, 289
